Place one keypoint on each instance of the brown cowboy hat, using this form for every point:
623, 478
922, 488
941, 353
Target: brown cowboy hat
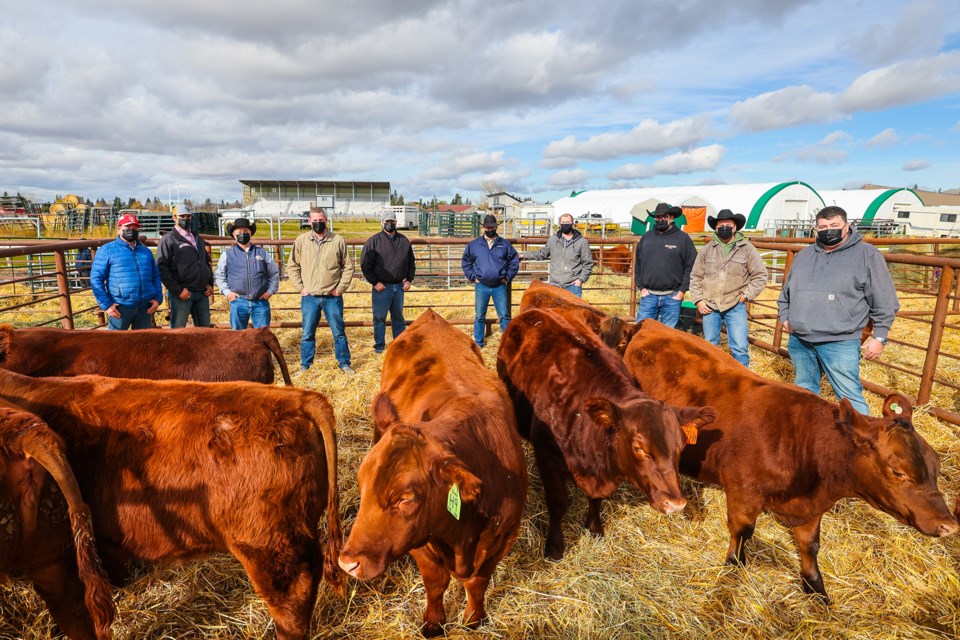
725, 214
242, 222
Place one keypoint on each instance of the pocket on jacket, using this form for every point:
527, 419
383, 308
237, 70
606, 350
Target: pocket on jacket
814, 311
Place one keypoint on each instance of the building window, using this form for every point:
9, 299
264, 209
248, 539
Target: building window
903, 214
948, 217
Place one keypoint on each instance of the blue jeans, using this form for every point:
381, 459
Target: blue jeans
332, 308
242, 311
736, 320
136, 317
390, 299
482, 295
197, 307
840, 360
662, 308
574, 289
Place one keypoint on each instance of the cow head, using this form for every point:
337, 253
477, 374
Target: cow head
647, 442
616, 333
896, 470
405, 481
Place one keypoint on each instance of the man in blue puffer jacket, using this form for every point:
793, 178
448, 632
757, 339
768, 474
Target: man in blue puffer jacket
490, 262
125, 279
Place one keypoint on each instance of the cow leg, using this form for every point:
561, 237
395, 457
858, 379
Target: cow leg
475, 614
552, 467
435, 581
594, 523
807, 537
742, 513
61, 589
283, 579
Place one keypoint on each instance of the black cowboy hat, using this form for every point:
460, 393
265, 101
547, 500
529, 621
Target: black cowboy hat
725, 214
490, 220
665, 209
242, 222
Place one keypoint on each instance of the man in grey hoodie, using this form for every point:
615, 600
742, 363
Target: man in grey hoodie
570, 260
834, 287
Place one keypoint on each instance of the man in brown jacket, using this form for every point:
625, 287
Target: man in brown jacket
727, 273
321, 269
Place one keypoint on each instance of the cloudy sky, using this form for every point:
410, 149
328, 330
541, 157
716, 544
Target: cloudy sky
540, 97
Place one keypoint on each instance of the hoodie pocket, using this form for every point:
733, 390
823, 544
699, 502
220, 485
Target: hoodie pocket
819, 312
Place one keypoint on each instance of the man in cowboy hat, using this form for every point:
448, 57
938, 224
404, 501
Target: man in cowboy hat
388, 264
247, 276
664, 258
727, 273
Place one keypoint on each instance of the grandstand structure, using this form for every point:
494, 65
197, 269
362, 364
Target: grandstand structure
342, 198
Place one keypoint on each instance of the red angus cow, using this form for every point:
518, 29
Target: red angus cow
777, 447
612, 331
617, 259
175, 470
210, 355
444, 426
47, 534
587, 418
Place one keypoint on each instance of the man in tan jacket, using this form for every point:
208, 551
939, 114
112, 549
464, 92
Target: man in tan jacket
321, 268
727, 273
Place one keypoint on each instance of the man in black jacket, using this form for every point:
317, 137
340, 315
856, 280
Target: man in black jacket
186, 272
665, 257
388, 263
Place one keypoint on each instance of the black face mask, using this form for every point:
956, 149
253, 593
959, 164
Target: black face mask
130, 235
830, 237
662, 225
318, 227
490, 233
725, 232
184, 223
243, 237
566, 227
389, 227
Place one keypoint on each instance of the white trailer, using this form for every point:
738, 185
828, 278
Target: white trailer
407, 217
928, 222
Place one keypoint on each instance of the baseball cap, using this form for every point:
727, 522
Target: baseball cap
127, 218
388, 215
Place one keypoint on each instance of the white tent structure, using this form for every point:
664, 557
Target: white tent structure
760, 203
871, 204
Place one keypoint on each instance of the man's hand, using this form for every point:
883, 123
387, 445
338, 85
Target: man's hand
786, 326
184, 295
113, 312
154, 305
644, 292
266, 296
379, 287
304, 292
678, 295
208, 291
406, 285
578, 283
703, 308
872, 348
231, 296
335, 292
743, 299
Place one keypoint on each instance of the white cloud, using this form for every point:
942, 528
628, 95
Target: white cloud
572, 178
918, 30
456, 166
883, 140
823, 152
915, 165
700, 159
649, 136
783, 108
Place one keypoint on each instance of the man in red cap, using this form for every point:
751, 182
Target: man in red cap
125, 280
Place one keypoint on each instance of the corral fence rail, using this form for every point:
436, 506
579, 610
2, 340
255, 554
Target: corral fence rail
35, 273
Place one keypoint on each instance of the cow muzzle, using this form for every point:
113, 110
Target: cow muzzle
669, 506
350, 567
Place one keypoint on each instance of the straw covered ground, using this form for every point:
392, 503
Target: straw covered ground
651, 576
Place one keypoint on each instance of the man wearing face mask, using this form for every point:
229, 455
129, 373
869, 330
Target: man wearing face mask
570, 260
490, 262
388, 264
186, 271
321, 269
247, 277
125, 280
664, 259
833, 288
727, 273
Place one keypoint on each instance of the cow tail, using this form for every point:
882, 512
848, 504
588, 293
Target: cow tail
42, 445
271, 342
322, 414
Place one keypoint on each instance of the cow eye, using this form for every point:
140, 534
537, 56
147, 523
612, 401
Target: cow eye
406, 504
899, 475
640, 452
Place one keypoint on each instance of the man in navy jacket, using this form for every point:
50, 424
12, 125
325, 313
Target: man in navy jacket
490, 262
125, 280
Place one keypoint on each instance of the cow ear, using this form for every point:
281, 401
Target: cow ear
611, 331
898, 407
384, 414
603, 412
6, 339
856, 425
452, 471
699, 416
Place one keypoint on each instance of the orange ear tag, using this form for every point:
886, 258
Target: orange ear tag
690, 429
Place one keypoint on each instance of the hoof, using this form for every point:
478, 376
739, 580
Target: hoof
431, 630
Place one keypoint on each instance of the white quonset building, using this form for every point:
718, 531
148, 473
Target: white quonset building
869, 205
760, 203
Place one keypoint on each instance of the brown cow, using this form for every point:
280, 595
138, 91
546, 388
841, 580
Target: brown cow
587, 418
777, 447
444, 425
617, 259
613, 331
210, 355
49, 540
175, 470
